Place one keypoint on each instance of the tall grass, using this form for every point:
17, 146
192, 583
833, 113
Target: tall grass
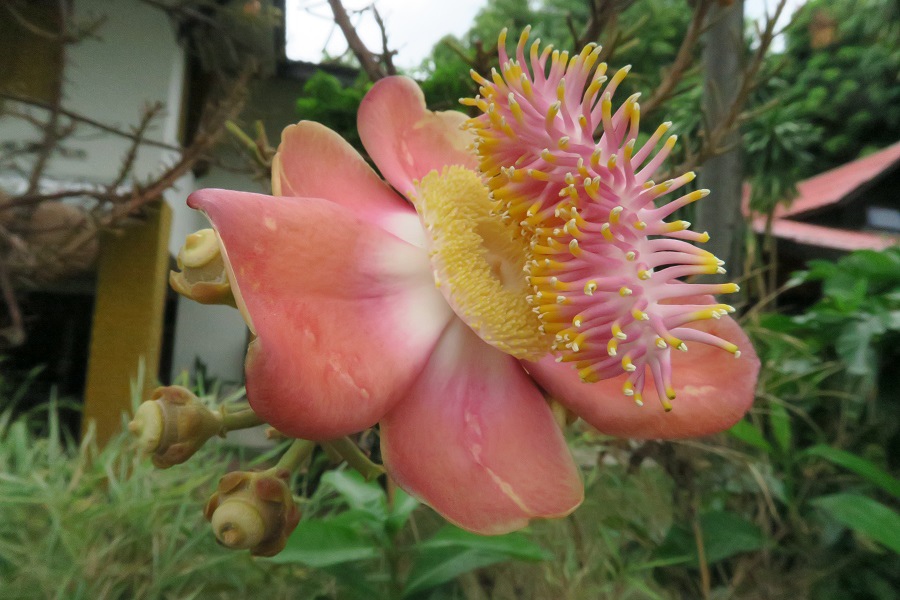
82, 522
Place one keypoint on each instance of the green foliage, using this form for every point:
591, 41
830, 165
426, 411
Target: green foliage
355, 532
79, 522
820, 444
326, 101
824, 106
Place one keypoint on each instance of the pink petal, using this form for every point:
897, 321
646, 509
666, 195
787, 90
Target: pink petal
713, 391
345, 314
315, 162
475, 439
406, 140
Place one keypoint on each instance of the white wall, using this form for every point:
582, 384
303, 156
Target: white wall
137, 61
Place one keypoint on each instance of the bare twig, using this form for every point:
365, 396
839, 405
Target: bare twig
365, 57
51, 131
150, 113
15, 331
683, 59
80, 118
387, 55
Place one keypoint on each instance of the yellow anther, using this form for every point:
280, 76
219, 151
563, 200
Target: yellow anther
643, 274
563, 142
628, 388
548, 156
624, 291
590, 287
661, 343
627, 364
612, 346
676, 226
526, 85
539, 175
630, 256
561, 90
575, 249
620, 75
515, 108
611, 163
588, 375
606, 107
552, 111
670, 143
674, 341
640, 225
578, 344
639, 399
639, 315
696, 195
617, 332
605, 230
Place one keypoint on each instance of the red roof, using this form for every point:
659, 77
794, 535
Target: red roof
830, 188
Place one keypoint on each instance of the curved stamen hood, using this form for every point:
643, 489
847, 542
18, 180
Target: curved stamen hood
606, 266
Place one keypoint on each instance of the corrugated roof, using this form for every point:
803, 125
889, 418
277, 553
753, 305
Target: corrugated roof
824, 190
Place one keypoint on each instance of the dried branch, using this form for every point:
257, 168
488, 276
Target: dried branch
365, 57
77, 117
712, 142
387, 55
150, 113
51, 131
683, 59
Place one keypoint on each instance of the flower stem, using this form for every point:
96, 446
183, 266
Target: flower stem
296, 455
241, 419
350, 452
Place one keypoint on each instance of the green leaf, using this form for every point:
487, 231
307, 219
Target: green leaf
749, 433
724, 535
403, 506
864, 515
453, 551
857, 464
780, 421
514, 545
358, 493
323, 543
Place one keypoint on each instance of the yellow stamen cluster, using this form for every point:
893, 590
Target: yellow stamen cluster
478, 261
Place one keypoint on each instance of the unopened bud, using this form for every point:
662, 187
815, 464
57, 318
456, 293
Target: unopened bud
173, 424
253, 511
202, 276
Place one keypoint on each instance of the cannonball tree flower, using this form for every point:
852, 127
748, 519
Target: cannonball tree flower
419, 303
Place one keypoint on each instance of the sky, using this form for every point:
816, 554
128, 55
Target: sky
413, 26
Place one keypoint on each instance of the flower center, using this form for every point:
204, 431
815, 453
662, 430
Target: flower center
478, 261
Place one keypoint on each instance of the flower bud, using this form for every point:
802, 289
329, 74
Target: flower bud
253, 511
173, 424
202, 276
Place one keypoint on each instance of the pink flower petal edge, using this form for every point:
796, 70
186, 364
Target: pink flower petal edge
345, 314
405, 139
713, 391
315, 162
475, 439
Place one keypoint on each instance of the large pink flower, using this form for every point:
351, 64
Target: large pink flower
424, 311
